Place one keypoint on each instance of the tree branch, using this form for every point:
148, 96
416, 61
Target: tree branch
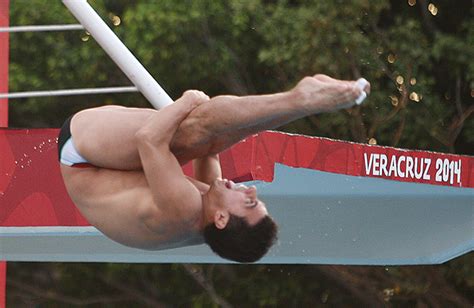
196, 273
362, 291
398, 133
357, 125
458, 124
52, 295
134, 293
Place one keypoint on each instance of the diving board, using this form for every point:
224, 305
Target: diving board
336, 203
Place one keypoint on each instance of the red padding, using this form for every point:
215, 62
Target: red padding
32, 192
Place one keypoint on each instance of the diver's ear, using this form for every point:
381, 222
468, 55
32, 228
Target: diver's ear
220, 219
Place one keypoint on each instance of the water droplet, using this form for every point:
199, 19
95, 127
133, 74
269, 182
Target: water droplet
299, 235
49, 140
16, 162
354, 239
339, 202
34, 148
325, 234
340, 229
327, 208
303, 251
290, 242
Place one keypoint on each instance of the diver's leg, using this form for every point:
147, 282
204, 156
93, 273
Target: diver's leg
105, 136
225, 120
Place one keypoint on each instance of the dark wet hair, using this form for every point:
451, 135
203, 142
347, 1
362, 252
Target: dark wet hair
239, 241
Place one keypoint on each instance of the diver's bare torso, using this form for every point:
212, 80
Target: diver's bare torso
124, 197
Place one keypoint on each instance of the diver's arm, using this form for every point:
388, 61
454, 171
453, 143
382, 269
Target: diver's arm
207, 169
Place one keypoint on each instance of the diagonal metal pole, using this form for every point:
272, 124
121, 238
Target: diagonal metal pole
119, 53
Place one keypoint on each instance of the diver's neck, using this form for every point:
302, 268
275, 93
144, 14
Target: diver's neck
206, 214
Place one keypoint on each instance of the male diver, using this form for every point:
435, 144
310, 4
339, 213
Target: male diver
133, 188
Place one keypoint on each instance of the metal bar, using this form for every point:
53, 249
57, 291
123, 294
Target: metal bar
119, 53
68, 92
4, 64
42, 28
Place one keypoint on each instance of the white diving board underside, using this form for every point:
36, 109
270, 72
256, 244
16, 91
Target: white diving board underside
324, 218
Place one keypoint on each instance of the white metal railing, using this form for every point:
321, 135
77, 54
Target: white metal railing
68, 92
112, 45
42, 28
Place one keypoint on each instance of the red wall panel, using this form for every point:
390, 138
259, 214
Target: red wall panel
32, 192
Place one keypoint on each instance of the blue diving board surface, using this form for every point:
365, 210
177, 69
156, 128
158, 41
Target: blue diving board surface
324, 218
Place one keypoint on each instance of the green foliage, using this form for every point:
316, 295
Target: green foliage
255, 46
175, 285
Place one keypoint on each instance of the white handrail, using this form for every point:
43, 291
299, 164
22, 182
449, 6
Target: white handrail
42, 28
68, 92
119, 53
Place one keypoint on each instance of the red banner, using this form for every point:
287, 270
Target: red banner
32, 192
364, 160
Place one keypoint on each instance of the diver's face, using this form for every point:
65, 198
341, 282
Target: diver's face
238, 199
